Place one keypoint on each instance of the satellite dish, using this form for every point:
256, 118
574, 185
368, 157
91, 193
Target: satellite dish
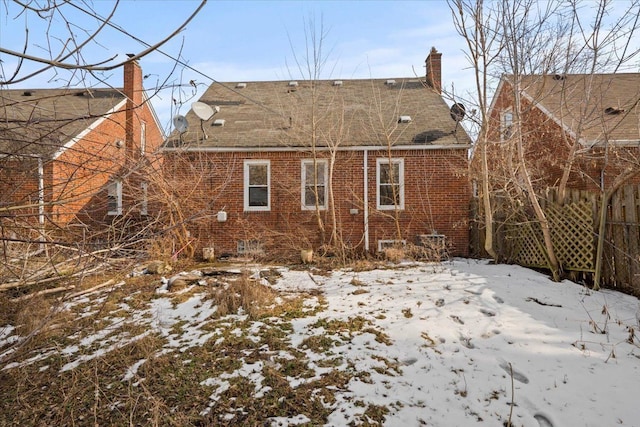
457, 112
180, 123
202, 110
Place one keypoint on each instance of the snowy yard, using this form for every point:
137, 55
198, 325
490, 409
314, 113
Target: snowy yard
455, 344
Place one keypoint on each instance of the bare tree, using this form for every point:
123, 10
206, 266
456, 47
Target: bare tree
475, 25
64, 42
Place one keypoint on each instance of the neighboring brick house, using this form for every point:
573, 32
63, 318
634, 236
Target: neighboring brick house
359, 164
600, 111
65, 153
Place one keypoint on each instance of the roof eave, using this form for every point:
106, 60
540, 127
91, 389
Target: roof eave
209, 149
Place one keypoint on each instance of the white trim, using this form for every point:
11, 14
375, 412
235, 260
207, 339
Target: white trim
88, 129
144, 199
40, 191
118, 196
365, 187
148, 104
616, 142
320, 163
559, 122
495, 96
392, 161
191, 149
143, 137
247, 165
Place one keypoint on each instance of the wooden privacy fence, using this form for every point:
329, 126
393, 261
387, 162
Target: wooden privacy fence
574, 232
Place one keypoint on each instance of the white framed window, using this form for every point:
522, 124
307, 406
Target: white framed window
314, 184
143, 138
114, 198
144, 198
257, 185
506, 125
390, 184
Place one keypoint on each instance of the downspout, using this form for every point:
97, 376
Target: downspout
365, 209
41, 199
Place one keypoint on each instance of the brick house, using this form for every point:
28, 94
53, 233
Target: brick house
359, 164
599, 111
65, 154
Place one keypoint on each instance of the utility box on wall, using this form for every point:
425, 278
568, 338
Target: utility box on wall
222, 216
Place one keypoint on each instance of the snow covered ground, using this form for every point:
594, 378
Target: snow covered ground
473, 327
456, 344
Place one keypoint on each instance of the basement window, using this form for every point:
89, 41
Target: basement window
250, 247
390, 244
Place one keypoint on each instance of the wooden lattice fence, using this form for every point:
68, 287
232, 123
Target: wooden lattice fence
574, 229
572, 236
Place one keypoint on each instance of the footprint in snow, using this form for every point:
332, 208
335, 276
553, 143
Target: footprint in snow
457, 319
487, 313
517, 375
543, 420
498, 299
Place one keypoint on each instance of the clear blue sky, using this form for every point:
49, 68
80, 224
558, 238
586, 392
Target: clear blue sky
246, 40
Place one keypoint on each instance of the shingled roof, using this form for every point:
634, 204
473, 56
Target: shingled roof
348, 113
40, 121
596, 108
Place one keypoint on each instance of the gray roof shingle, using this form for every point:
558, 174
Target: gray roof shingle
40, 121
365, 112
584, 104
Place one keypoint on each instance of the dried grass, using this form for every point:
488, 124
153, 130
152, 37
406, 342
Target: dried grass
245, 292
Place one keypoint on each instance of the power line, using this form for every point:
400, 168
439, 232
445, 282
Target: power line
177, 60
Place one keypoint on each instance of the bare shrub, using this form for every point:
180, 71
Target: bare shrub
432, 251
394, 254
246, 293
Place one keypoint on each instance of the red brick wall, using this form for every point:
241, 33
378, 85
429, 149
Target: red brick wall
81, 171
436, 198
19, 183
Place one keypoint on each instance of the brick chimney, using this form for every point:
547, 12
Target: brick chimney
434, 70
133, 91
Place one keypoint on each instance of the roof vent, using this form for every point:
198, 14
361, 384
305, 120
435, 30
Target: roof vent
390, 82
218, 122
404, 119
241, 85
27, 93
337, 82
293, 84
613, 111
559, 77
